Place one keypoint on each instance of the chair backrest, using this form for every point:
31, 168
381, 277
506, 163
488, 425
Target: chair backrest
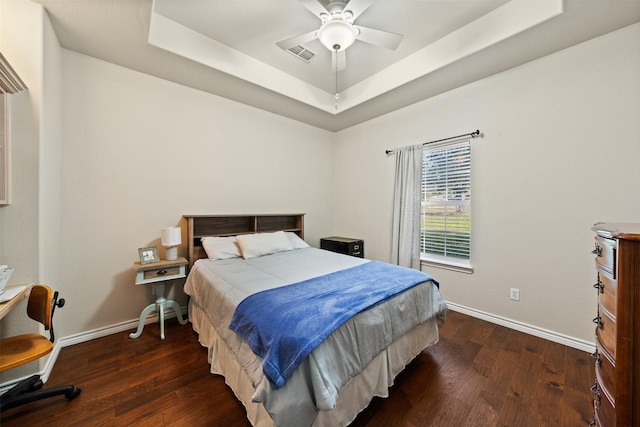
40, 305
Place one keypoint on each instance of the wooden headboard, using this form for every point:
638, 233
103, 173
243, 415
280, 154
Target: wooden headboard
231, 225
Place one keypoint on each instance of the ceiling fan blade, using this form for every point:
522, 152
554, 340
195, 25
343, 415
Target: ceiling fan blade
379, 38
340, 58
298, 40
358, 6
315, 7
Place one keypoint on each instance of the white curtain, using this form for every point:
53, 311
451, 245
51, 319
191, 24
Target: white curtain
405, 236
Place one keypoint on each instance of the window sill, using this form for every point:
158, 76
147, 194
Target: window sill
462, 266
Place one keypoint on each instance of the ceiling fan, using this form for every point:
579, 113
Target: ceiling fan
338, 32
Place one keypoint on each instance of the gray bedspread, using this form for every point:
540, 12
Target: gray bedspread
219, 286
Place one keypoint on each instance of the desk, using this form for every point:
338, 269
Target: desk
157, 274
6, 307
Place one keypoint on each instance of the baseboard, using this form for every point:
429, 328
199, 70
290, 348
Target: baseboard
84, 337
526, 328
113, 329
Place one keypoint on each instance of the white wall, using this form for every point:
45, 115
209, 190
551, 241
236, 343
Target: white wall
30, 226
560, 153
20, 43
49, 176
140, 152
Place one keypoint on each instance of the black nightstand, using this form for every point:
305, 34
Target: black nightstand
343, 245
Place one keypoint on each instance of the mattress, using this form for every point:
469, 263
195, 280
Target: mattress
319, 390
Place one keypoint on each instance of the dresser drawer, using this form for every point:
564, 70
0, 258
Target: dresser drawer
605, 410
607, 293
606, 332
605, 373
605, 252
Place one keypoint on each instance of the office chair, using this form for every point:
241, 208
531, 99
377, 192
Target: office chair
21, 349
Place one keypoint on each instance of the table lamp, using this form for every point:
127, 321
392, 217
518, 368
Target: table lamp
171, 238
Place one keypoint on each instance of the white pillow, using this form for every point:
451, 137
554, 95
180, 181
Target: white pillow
221, 247
257, 245
296, 241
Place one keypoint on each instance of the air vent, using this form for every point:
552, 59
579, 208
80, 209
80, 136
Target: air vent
301, 53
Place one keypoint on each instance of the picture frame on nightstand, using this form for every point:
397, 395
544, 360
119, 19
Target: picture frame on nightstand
148, 255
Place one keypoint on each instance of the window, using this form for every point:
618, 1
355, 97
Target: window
445, 220
4, 150
9, 83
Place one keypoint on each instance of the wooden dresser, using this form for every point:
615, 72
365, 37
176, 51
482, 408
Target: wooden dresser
617, 387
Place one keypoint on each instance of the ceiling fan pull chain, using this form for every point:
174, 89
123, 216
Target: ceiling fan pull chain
336, 47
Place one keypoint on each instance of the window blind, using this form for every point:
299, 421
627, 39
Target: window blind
445, 228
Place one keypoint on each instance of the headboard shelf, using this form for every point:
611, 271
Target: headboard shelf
231, 225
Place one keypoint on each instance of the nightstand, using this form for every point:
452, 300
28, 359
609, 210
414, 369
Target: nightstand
343, 245
158, 273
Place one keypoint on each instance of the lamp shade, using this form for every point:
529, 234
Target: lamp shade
337, 35
171, 236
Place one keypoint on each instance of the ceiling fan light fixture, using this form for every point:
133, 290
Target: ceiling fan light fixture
337, 33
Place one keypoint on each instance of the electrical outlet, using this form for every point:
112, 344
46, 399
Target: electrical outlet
515, 294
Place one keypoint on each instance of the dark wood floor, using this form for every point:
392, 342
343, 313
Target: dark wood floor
479, 374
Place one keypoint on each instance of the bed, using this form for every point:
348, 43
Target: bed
239, 260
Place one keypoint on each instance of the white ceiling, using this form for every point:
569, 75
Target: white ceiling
228, 47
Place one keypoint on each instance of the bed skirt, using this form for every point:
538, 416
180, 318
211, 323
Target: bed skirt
356, 395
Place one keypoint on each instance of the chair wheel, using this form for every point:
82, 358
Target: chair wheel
73, 393
36, 385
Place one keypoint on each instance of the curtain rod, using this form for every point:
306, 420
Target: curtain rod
472, 135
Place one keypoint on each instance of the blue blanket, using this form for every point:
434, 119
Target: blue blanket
283, 325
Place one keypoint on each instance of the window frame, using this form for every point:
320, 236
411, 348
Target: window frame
5, 150
10, 83
447, 262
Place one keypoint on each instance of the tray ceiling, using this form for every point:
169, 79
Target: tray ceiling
228, 47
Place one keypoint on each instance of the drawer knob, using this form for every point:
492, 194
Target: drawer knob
596, 355
597, 251
596, 394
161, 272
598, 321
